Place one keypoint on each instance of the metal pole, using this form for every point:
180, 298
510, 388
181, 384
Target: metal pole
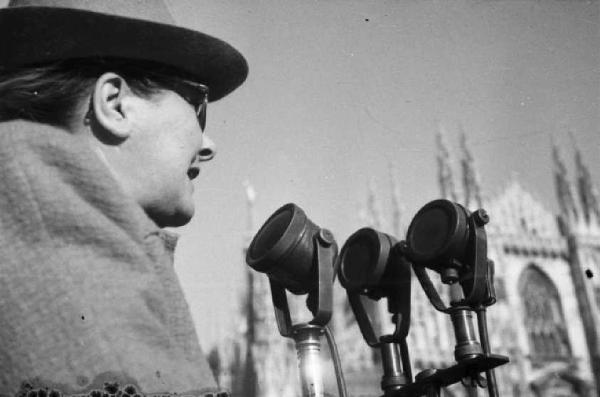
308, 347
467, 345
393, 377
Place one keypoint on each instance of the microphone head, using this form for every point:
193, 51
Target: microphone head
438, 235
365, 258
283, 249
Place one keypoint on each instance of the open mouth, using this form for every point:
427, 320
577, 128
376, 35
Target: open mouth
193, 172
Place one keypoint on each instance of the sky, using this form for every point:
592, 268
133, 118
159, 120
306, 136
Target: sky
340, 92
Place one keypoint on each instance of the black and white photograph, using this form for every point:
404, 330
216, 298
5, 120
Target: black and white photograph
299, 198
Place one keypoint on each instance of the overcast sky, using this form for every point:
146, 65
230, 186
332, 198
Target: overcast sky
338, 90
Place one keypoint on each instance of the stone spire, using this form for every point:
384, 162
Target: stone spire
233, 360
247, 379
588, 195
269, 368
471, 186
373, 213
253, 279
564, 193
397, 207
445, 177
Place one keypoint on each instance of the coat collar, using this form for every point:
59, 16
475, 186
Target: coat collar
59, 165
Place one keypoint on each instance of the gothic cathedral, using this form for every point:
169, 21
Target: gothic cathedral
546, 319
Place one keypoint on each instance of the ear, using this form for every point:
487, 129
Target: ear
109, 102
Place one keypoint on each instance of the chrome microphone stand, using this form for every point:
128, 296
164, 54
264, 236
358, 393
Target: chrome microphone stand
298, 256
308, 347
307, 336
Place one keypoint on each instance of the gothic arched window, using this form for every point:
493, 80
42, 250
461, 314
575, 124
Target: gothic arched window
544, 319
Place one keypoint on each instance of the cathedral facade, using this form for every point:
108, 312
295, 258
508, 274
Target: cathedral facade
546, 319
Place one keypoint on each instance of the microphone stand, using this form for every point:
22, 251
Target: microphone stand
308, 346
307, 336
395, 358
478, 284
471, 359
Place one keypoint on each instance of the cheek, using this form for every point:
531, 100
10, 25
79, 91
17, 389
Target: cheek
175, 136
168, 138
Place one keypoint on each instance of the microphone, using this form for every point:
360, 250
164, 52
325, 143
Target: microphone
448, 239
371, 265
298, 256
283, 249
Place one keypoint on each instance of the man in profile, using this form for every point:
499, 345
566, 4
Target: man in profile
102, 116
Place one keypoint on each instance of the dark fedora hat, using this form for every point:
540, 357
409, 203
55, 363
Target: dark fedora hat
44, 31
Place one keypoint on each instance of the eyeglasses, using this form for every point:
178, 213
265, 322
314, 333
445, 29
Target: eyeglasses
195, 94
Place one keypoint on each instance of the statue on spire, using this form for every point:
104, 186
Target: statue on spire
373, 213
564, 193
397, 208
588, 195
250, 215
472, 188
445, 176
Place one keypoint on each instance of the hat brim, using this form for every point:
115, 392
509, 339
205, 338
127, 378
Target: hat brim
33, 35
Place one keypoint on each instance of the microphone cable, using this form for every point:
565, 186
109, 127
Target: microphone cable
485, 343
337, 365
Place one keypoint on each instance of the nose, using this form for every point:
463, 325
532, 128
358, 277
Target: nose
208, 149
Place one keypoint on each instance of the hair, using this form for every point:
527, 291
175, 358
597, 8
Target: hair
52, 93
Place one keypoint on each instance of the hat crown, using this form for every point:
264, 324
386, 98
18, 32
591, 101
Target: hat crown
136, 30
149, 10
